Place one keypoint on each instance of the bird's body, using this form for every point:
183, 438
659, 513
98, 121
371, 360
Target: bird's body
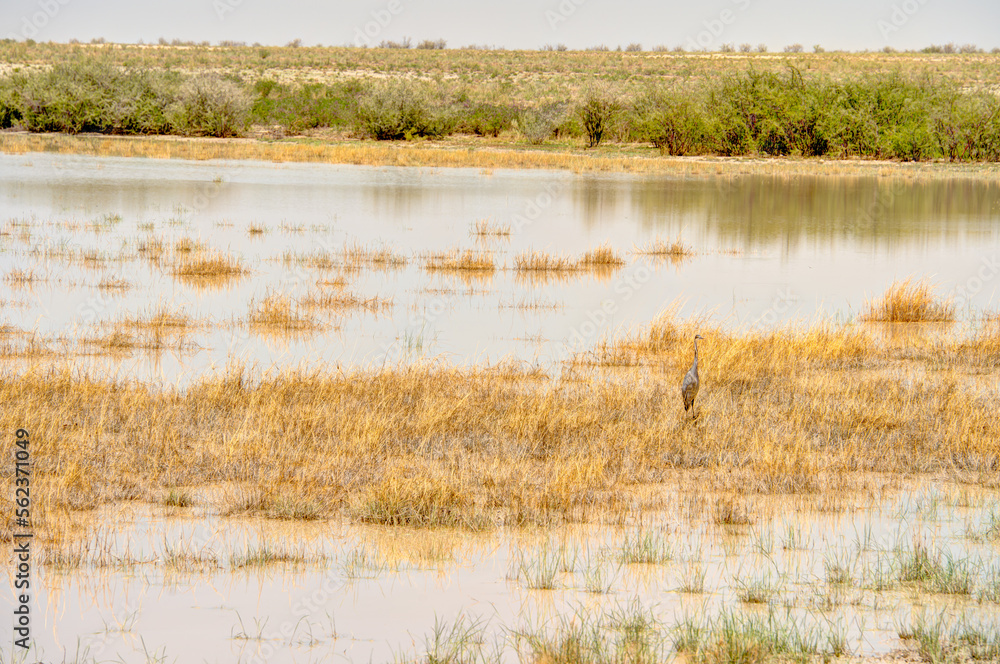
690, 384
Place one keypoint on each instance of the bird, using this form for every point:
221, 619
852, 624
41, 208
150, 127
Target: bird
689, 386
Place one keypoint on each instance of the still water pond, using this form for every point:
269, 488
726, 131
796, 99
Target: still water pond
766, 250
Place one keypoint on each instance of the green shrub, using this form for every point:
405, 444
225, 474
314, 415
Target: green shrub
305, 107
485, 119
597, 113
209, 105
10, 114
402, 110
673, 122
91, 96
540, 123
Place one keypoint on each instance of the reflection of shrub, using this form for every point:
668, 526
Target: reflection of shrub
402, 110
210, 105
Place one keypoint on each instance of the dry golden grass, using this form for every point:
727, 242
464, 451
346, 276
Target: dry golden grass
807, 410
488, 228
155, 330
601, 258
211, 269
152, 250
188, 245
662, 249
319, 260
339, 302
23, 278
277, 313
541, 261
909, 301
381, 258
456, 154
458, 260
161, 320
112, 283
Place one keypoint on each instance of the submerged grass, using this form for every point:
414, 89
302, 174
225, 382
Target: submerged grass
205, 269
277, 312
468, 260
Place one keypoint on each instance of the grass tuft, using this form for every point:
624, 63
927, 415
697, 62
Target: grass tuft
909, 301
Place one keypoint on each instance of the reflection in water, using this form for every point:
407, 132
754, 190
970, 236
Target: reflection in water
789, 213
100, 239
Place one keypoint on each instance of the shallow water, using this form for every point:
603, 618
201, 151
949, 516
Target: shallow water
767, 250
374, 594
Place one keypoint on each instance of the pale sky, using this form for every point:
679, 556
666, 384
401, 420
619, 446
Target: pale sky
834, 24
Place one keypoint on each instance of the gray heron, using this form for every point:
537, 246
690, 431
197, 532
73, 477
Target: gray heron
689, 386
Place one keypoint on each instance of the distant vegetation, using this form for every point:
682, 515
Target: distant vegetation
805, 105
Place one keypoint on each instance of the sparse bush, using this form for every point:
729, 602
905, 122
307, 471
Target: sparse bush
745, 48
794, 48
432, 44
404, 43
209, 105
306, 106
487, 119
727, 48
402, 110
633, 48
598, 111
539, 124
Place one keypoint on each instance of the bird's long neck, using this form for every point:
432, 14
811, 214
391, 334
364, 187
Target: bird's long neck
694, 365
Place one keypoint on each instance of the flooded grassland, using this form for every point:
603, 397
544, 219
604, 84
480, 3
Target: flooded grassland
308, 412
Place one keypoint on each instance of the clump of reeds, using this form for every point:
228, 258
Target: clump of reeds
910, 301
278, 313
469, 260
357, 255
187, 245
208, 268
114, 284
160, 320
152, 250
541, 261
340, 301
22, 278
319, 260
663, 249
487, 228
601, 258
